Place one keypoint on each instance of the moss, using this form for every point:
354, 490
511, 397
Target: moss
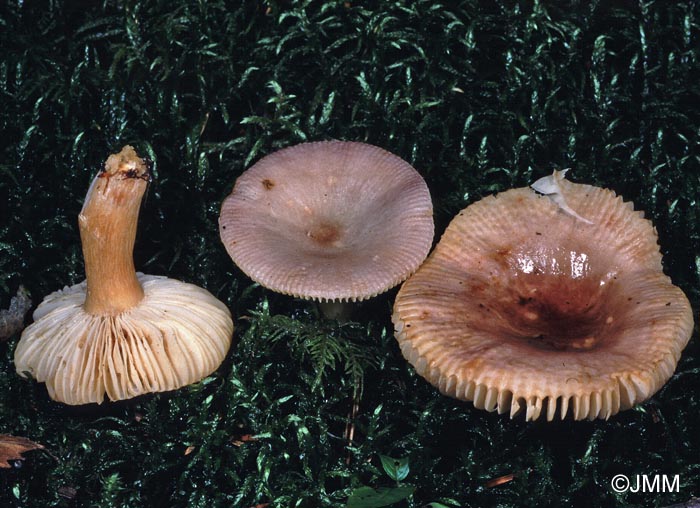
480, 97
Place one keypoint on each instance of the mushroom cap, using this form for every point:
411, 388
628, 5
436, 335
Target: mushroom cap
523, 305
329, 220
178, 334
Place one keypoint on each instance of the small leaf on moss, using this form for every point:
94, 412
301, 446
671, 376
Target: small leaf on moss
12, 448
397, 469
367, 497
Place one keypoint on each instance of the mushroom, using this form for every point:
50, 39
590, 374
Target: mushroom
526, 304
331, 221
120, 332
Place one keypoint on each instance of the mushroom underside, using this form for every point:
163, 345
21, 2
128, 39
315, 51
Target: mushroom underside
177, 335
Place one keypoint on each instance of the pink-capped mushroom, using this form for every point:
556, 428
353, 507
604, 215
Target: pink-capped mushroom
331, 221
553, 304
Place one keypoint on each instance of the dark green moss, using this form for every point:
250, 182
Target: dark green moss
479, 96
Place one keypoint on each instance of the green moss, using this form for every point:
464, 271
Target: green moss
479, 97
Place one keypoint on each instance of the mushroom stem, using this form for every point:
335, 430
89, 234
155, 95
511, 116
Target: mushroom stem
340, 311
108, 230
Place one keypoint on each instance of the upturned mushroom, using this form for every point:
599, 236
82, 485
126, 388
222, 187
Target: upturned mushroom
545, 304
331, 221
119, 332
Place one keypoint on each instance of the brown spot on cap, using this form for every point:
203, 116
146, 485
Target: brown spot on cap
325, 233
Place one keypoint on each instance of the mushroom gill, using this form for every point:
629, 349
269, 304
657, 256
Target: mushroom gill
524, 305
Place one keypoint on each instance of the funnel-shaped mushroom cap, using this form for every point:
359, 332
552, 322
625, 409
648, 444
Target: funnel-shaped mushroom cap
328, 221
178, 334
524, 304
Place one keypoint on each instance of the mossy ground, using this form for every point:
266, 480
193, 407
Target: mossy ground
478, 96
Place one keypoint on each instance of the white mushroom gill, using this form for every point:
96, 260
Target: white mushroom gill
178, 332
